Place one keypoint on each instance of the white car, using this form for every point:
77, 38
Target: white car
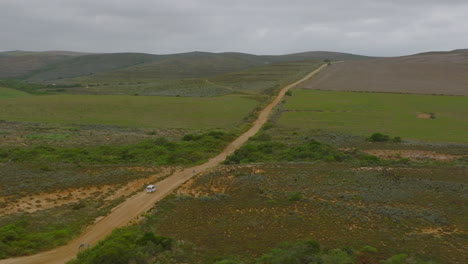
150, 188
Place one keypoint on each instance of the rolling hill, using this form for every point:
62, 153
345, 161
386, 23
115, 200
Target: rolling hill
55, 65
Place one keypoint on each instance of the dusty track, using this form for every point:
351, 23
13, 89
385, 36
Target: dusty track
141, 202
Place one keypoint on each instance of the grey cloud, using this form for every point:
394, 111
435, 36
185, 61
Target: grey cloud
371, 27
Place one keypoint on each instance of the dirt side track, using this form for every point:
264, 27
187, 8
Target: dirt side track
141, 202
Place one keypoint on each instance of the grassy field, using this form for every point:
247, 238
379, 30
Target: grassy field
138, 111
263, 79
10, 93
366, 113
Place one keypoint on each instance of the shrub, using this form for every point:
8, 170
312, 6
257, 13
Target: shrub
378, 137
368, 249
303, 252
295, 196
337, 256
288, 93
229, 261
192, 149
396, 259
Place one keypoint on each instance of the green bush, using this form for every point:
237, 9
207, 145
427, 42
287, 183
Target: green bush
396, 259
274, 151
302, 252
337, 256
125, 245
295, 196
378, 137
192, 149
368, 249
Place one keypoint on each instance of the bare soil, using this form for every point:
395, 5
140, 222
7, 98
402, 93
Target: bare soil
413, 155
42, 201
142, 202
419, 74
424, 116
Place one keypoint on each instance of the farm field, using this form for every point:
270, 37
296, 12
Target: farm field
429, 73
134, 111
361, 114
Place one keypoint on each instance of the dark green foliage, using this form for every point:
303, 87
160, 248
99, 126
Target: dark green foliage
379, 137
25, 234
193, 149
276, 151
229, 261
295, 196
288, 93
148, 237
303, 252
125, 245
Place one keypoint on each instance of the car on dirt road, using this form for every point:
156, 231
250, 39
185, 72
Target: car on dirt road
150, 188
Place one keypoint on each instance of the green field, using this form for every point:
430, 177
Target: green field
10, 93
264, 79
365, 113
225, 112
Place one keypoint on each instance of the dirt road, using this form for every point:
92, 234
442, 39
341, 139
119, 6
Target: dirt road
141, 202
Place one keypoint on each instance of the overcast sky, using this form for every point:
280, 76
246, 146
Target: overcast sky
368, 27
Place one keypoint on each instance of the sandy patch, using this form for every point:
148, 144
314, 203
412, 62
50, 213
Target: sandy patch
36, 202
413, 155
424, 116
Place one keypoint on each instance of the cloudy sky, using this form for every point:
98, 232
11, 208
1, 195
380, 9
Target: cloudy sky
369, 27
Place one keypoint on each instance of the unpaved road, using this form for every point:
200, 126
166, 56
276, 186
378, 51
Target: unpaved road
141, 202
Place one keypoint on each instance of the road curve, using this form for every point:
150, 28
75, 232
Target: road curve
141, 202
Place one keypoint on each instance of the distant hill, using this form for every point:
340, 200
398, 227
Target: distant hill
89, 65
54, 65
319, 55
18, 53
189, 65
18, 66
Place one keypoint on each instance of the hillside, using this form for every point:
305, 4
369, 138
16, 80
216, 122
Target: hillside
318, 55
90, 64
17, 66
56, 65
426, 73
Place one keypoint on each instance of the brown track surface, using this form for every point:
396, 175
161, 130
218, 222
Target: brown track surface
419, 74
141, 202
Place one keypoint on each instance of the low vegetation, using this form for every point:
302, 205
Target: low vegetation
379, 137
263, 149
192, 149
28, 233
132, 245
239, 212
226, 112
